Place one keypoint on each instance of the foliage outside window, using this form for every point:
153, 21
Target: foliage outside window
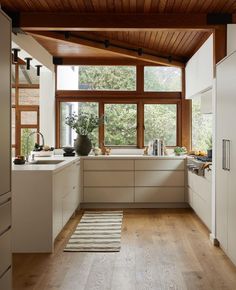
162, 79
32, 140
160, 121
121, 124
96, 78
67, 134
201, 127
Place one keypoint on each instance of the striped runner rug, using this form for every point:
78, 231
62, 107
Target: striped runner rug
97, 231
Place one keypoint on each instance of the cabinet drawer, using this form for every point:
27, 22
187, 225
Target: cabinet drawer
108, 194
108, 178
159, 164
108, 164
5, 251
200, 185
159, 178
159, 194
5, 214
202, 209
5, 281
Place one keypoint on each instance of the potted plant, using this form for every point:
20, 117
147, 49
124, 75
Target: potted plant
83, 124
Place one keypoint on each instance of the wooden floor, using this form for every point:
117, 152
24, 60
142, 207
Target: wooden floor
161, 249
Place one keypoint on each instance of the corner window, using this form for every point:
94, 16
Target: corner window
162, 79
121, 124
160, 122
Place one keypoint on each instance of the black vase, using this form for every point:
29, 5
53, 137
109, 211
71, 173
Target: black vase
82, 145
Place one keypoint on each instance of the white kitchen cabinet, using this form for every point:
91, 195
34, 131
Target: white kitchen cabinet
6, 280
5, 151
159, 178
168, 164
199, 192
108, 178
107, 165
43, 202
199, 70
159, 194
133, 180
226, 155
108, 194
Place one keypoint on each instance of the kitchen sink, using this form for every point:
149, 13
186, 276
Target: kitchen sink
45, 162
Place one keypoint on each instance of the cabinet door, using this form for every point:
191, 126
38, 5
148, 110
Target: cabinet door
5, 251
5, 281
159, 178
5, 104
108, 178
58, 190
225, 110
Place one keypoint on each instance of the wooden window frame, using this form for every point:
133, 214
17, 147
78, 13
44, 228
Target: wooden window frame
18, 108
140, 98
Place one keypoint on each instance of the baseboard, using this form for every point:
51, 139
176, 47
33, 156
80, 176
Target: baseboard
214, 240
134, 205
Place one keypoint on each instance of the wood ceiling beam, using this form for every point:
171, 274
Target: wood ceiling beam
109, 47
48, 21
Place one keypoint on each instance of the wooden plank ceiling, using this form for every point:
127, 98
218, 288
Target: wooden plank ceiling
179, 44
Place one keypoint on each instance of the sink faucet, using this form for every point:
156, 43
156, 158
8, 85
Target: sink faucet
27, 147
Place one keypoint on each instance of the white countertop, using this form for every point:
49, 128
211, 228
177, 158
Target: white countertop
68, 160
133, 157
46, 167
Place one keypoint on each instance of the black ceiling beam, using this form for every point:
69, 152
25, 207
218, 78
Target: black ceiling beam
219, 19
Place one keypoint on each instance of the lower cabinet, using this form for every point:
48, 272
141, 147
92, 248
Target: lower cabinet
159, 194
133, 180
6, 280
43, 202
65, 196
199, 196
108, 194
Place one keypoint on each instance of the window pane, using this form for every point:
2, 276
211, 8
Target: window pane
32, 140
68, 135
113, 78
201, 127
162, 79
29, 117
28, 76
29, 97
121, 124
160, 123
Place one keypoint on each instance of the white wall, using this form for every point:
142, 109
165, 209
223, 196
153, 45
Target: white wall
33, 49
199, 70
47, 106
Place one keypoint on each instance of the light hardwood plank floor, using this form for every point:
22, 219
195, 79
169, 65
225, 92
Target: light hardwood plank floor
161, 249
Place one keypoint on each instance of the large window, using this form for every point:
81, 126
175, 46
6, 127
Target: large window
68, 135
25, 108
121, 124
201, 127
160, 122
162, 79
140, 103
96, 78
